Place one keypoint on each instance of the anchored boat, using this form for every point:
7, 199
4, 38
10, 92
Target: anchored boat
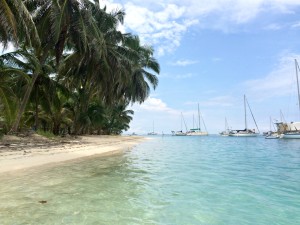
245, 132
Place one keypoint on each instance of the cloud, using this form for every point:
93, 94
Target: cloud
157, 105
164, 23
184, 62
218, 101
279, 82
296, 25
216, 59
273, 26
163, 28
177, 76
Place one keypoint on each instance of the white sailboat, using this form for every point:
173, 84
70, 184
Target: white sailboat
227, 130
198, 131
180, 132
246, 132
271, 134
152, 133
291, 130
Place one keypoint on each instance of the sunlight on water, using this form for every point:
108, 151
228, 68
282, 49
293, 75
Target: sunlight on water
168, 180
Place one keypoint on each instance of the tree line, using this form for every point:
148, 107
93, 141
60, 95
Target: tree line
71, 71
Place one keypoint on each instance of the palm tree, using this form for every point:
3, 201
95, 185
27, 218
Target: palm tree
94, 61
67, 23
16, 23
117, 118
26, 61
12, 81
140, 77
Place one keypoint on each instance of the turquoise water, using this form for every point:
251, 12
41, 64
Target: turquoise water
167, 180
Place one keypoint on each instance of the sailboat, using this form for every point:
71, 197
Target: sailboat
291, 130
198, 131
271, 134
246, 132
180, 132
227, 130
152, 133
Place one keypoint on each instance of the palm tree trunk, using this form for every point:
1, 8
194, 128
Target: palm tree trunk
23, 104
36, 111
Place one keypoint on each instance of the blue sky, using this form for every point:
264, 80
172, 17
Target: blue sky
212, 53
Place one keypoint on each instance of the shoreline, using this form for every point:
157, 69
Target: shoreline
23, 153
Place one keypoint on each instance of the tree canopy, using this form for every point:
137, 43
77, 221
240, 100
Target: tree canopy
72, 70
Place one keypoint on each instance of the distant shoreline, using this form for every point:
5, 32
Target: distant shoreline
23, 153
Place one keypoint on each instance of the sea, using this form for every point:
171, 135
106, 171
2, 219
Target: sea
165, 180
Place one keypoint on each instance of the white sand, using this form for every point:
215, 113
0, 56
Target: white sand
22, 153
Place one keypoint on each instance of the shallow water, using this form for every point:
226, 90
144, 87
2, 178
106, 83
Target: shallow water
209, 180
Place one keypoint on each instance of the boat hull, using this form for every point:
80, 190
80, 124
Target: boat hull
272, 137
243, 135
178, 133
197, 134
290, 136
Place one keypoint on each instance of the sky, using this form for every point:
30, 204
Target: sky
212, 53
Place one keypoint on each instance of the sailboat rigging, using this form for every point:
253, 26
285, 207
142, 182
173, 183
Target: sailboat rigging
152, 133
227, 130
291, 130
246, 132
198, 131
180, 132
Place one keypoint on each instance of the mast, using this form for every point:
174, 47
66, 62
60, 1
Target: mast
252, 116
297, 67
193, 122
153, 127
199, 118
183, 122
245, 112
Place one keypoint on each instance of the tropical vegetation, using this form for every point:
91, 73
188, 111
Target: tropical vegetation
72, 70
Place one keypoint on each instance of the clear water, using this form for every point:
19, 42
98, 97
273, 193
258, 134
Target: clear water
168, 180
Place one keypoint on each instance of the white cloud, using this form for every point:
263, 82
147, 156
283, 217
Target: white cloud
163, 27
296, 25
177, 76
184, 62
279, 82
164, 23
157, 105
273, 26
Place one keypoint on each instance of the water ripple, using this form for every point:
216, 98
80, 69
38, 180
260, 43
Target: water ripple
171, 180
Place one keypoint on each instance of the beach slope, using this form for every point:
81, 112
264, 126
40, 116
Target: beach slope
24, 152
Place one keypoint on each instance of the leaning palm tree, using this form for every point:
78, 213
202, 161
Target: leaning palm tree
141, 77
26, 61
65, 24
12, 81
16, 23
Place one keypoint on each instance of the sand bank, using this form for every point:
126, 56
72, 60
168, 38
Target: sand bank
20, 153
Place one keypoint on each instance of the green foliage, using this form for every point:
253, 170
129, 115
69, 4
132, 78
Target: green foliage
83, 75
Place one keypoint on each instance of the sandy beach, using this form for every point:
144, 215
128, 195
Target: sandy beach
18, 153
